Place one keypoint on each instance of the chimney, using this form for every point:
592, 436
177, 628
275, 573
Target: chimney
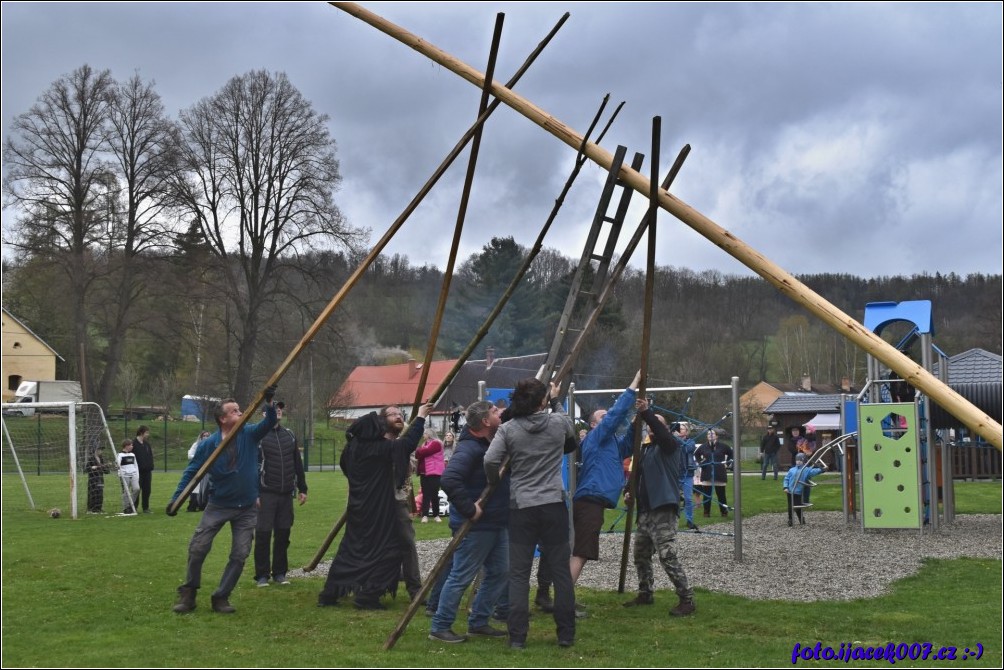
412, 367
489, 357
845, 384
806, 382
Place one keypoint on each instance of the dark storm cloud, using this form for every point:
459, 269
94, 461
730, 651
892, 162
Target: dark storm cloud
830, 137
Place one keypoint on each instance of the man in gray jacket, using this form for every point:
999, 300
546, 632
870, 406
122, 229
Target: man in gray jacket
531, 446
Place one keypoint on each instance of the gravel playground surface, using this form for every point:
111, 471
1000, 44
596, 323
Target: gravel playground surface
856, 564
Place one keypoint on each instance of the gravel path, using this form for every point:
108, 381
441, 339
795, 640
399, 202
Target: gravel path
856, 564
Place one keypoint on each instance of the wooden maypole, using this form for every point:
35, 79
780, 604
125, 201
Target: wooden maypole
979, 422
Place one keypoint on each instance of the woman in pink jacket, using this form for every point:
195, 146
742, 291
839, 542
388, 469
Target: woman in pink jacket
430, 470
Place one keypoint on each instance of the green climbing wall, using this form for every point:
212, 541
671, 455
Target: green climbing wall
890, 465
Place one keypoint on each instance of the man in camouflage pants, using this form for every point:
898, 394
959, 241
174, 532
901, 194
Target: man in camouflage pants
658, 492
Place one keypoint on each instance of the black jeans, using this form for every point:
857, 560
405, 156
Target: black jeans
145, 482
547, 526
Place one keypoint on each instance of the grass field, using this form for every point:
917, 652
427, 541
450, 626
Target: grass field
97, 592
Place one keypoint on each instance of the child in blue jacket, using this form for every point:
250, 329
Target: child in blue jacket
796, 483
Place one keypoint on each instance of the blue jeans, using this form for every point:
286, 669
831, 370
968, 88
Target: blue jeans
488, 548
242, 524
687, 486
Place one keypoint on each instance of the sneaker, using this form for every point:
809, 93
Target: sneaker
693, 526
501, 617
146, 511
486, 631
580, 611
684, 608
261, 581
439, 520
447, 636
425, 519
281, 579
429, 612
322, 602
566, 643
640, 599
517, 644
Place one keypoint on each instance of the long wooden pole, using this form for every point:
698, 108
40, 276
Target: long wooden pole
646, 340
970, 415
414, 203
465, 197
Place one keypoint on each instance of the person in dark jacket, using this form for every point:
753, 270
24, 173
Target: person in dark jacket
770, 444
715, 459
368, 561
487, 544
280, 477
233, 499
144, 460
658, 491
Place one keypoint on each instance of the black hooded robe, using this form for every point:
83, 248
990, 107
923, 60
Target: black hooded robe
368, 561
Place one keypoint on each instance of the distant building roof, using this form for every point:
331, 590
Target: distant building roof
974, 366
804, 404
371, 386
33, 334
382, 385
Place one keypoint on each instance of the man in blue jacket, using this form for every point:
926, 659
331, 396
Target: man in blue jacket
233, 499
487, 543
601, 475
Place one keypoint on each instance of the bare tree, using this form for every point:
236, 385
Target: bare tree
56, 176
143, 143
260, 172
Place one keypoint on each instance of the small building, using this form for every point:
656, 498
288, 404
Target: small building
797, 410
372, 387
26, 356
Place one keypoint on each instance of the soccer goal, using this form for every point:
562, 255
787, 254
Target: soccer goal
62, 455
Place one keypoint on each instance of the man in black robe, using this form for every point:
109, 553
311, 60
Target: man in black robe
368, 562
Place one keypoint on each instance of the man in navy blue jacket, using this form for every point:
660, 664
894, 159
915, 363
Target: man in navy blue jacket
487, 543
233, 498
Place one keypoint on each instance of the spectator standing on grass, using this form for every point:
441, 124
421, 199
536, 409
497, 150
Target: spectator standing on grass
281, 479
129, 474
97, 467
430, 461
200, 494
144, 460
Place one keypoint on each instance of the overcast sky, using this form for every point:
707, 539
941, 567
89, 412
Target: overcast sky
855, 138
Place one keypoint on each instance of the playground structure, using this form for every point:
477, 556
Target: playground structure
894, 451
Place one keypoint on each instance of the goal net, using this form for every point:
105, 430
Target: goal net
61, 456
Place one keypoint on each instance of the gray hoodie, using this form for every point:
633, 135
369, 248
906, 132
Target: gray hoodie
534, 446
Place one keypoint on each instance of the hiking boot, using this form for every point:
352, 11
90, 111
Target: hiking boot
641, 599
544, 602
486, 631
222, 605
447, 636
684, 608
186, 600
261, 582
